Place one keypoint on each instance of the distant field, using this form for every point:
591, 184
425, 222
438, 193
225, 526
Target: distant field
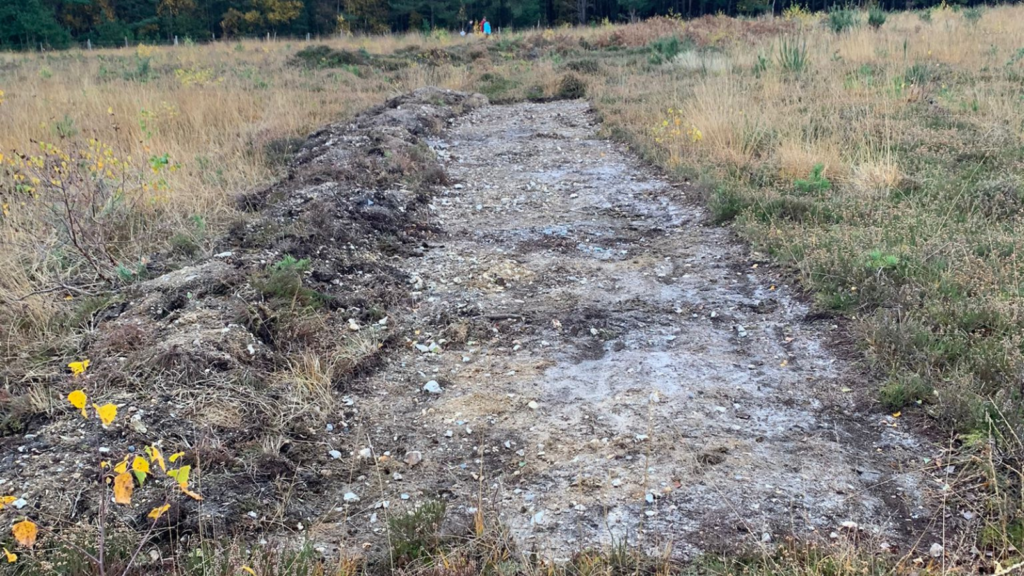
883, 163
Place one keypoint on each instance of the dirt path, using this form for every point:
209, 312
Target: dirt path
613, 369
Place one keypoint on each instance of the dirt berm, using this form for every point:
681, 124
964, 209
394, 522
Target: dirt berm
489, 307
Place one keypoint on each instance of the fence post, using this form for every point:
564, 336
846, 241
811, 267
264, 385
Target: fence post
88, 43
307, 36
175, 40
125, 41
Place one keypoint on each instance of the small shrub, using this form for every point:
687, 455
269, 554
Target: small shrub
972, 15
587, 66
184, 245
878, 260
535, 93
325, 57
795, 12
142, 72
726, 204
496, 87
416, 535
876, 17
925, 15
816, 183
188, 243
665, 49
572, 87
86, 310
65, 128
840, 21
789, 209
284, 282
921, 73
279, 152
762, 64
898, 393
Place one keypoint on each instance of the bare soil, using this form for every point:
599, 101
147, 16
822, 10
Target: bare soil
612, 369
523, 321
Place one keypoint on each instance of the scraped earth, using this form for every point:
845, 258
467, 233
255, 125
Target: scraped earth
542, 332
622, 372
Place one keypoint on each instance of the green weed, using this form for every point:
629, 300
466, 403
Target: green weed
792, 55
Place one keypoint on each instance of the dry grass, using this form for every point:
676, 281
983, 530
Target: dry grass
215, 110
917, 129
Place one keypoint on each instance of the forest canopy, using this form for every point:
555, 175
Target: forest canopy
26, 24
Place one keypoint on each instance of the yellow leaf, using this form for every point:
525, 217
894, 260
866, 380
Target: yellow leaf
78, 400
248, 570
11, 557
25, 533
897, 414
123, 487
122, 466
78, 367
184, 488
156, 457
5, 500
139, 464
157, 512
107, 413
175, 456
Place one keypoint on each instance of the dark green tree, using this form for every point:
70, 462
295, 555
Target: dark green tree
29, 23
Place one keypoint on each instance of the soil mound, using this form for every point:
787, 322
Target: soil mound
238, 359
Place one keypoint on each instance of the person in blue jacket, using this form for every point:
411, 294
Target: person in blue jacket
487, 27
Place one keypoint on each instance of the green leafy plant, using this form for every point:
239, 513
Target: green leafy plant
972, 15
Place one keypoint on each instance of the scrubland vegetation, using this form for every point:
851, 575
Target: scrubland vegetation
877, 154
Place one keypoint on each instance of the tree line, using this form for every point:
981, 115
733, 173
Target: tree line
31, 24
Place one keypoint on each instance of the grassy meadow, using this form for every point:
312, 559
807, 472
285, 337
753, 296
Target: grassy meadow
878, 155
